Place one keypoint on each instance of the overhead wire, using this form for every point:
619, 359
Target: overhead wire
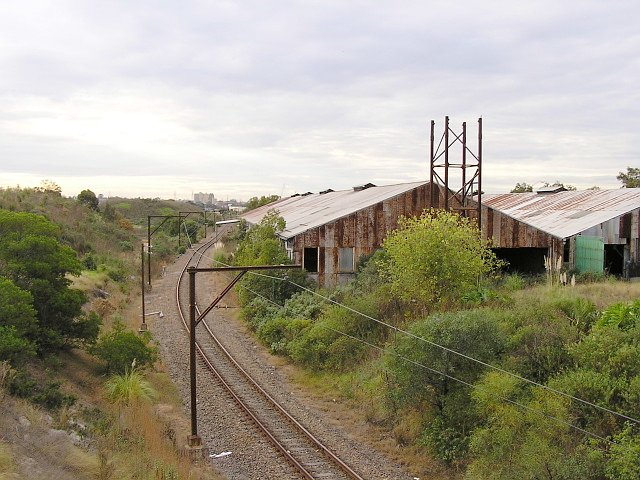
419, 338
488, 365
433, 370
471, 385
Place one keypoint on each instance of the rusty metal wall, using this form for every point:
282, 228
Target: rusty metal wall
363, 230
506, 232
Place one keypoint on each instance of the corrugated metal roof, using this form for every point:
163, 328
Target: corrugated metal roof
304, 212
565, 214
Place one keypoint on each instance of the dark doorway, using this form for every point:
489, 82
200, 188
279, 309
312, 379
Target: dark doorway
614, 259
522, 260
310, 260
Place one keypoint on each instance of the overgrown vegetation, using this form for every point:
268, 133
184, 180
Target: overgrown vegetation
120, 348
66, 266
431, 344
260, 246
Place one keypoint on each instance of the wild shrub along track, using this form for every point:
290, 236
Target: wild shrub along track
296, 444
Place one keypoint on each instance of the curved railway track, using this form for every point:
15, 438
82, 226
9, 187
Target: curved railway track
298, 446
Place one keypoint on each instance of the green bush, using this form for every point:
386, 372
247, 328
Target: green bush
513, 282
326, 344
624, 455
304, 305
621, 315
436, 258
429, 378
582, 312
517, 443
129, 388
479, 296
52, 398
476, 333
120, 347
538, 340
272, 332
115, 269
89, 262
23, 385
448, 444
14, 348
258, 311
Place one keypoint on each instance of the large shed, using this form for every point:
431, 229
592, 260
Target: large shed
593, 230
328, 232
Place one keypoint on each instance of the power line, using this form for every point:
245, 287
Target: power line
468, 384
417, 337
433, 370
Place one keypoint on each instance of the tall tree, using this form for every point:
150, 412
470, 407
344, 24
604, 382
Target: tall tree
88, 198
436, 258
255, 202
32, 257
557, 183
260, 245
522, 187
631, 179
49, 186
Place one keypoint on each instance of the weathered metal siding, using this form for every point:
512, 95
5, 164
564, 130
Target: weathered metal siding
504, 231
364, 230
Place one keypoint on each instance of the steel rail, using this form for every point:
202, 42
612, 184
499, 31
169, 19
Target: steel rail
260, 424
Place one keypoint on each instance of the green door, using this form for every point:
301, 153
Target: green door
589, 254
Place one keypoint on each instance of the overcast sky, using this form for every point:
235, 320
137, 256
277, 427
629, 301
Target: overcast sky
166, 98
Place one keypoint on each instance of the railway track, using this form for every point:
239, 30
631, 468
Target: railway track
297, 445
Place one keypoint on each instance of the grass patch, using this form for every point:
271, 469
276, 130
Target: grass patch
90, 280
602, 294
7, 465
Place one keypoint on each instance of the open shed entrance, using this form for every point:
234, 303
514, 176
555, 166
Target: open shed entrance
522, 260
614, 259
310, 260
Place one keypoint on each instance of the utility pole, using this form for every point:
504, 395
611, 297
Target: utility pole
143, 325
150, 232
194, 439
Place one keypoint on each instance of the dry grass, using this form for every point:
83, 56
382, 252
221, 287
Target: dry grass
602, 294
7, 464
83, 463
151, 449
89, 280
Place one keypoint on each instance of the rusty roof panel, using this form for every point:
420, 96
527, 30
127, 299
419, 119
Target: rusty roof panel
304, 212
565, 214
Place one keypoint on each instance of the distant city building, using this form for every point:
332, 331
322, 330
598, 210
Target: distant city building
204, 198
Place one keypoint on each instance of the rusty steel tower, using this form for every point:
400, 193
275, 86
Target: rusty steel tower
453, 164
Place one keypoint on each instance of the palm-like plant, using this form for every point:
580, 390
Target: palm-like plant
130, 388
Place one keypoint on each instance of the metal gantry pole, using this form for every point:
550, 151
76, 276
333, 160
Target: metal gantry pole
464, 167
149, 248
479, 173
431, 170
194, 440
446, 163
143, 325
